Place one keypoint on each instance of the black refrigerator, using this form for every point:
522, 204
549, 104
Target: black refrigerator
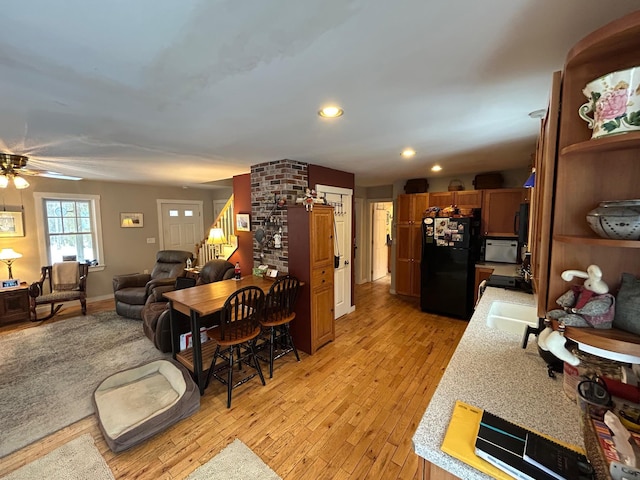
450, 250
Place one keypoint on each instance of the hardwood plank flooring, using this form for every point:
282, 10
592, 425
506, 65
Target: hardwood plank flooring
347, 412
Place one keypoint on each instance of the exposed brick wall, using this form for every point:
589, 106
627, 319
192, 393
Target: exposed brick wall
269, 182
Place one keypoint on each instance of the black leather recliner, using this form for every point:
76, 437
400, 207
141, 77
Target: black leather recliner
131, 291
156, 316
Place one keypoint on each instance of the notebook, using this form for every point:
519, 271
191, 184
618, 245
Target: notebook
527, 455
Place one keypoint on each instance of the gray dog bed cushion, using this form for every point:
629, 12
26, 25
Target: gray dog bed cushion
134, 404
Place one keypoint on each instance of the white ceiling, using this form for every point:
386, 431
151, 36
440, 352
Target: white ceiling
186, 92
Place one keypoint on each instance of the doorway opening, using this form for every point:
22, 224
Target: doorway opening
381, 239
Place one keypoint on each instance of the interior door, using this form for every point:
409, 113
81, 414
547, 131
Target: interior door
181, 225
341, 200
380, 257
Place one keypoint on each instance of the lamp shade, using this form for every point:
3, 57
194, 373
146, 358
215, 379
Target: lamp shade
4, 181
9, 254
216, 237
531, 181
20, 182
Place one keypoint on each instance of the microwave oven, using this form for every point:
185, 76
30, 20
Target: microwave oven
501, 250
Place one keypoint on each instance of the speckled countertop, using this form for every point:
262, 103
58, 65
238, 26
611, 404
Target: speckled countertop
490, 370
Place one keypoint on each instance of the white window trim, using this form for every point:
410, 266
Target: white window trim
38, 198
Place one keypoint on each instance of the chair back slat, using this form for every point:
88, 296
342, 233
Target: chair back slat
241, 313
282, 296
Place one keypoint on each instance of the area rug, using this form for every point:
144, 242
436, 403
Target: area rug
77, 460
235, 462
48, 373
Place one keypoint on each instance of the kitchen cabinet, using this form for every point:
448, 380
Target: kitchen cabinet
588, 171
311, 260
462, 198
410, 210
482, 273
542, 196
499, 209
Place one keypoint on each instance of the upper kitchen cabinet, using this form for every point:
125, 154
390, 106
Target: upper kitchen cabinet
591, 170
499, 211
411, 207
462, 198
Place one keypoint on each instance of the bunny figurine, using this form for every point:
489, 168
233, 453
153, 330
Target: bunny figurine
589, 305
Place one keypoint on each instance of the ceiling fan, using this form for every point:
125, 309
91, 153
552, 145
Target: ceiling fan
12, 167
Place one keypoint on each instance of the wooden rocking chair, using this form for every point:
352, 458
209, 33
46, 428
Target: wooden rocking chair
58, 283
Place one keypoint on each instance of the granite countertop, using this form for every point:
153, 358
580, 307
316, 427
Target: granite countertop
506, 269
490, 370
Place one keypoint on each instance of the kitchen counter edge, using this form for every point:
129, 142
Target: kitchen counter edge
491, 370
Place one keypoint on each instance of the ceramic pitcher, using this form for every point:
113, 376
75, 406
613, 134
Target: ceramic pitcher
614, 100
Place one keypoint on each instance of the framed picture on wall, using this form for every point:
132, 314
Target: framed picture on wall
243, 223
131, 220
11, 224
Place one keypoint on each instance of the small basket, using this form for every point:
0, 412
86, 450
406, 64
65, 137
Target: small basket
455, 186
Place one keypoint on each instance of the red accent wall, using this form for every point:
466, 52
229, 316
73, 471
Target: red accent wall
338, 178
242, 204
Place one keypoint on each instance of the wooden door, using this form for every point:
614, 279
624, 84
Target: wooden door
322, 313
419, 205
441, 199
469, 199
322, 237
404, 212
499, 208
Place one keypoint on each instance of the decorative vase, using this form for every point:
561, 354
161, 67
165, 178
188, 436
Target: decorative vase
614, 101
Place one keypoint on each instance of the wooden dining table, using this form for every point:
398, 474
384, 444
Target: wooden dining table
198, 302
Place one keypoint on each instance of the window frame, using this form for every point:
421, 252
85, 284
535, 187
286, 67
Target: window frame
94, 205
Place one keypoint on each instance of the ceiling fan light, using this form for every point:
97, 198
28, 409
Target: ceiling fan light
20, 183
4, 181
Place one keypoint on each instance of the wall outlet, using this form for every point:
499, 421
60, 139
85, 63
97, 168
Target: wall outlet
145, 271
151, 240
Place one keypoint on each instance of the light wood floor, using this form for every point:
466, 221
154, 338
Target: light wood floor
349, 411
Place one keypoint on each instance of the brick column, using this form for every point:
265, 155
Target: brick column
269, 182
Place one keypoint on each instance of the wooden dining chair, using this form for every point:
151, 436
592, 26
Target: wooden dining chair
278, 314
236, 338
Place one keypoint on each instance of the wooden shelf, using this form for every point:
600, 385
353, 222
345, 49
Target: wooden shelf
612, 143
611, 340
185, 357
596, 241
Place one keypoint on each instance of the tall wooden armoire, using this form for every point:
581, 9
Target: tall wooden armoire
311, 246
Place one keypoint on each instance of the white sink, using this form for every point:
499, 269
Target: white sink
512, 317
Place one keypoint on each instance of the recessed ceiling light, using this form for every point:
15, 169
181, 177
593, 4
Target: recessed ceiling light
331, 112
538, 113
408, 152
436, 168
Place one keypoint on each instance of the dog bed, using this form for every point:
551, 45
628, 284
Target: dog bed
135, 404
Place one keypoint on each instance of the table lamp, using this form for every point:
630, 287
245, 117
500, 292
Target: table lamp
217, 238
7, 255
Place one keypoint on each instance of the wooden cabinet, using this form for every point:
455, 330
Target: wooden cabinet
542, 197
589, 171
410, 211
499, 209
311, 260
482, 273
14, 305
463, 199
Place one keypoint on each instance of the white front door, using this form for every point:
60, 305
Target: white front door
180, 224
341, 200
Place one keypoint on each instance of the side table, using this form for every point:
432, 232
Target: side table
14, 305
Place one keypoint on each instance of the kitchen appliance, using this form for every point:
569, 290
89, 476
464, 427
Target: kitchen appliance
522, 224
501, 250
450, 250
